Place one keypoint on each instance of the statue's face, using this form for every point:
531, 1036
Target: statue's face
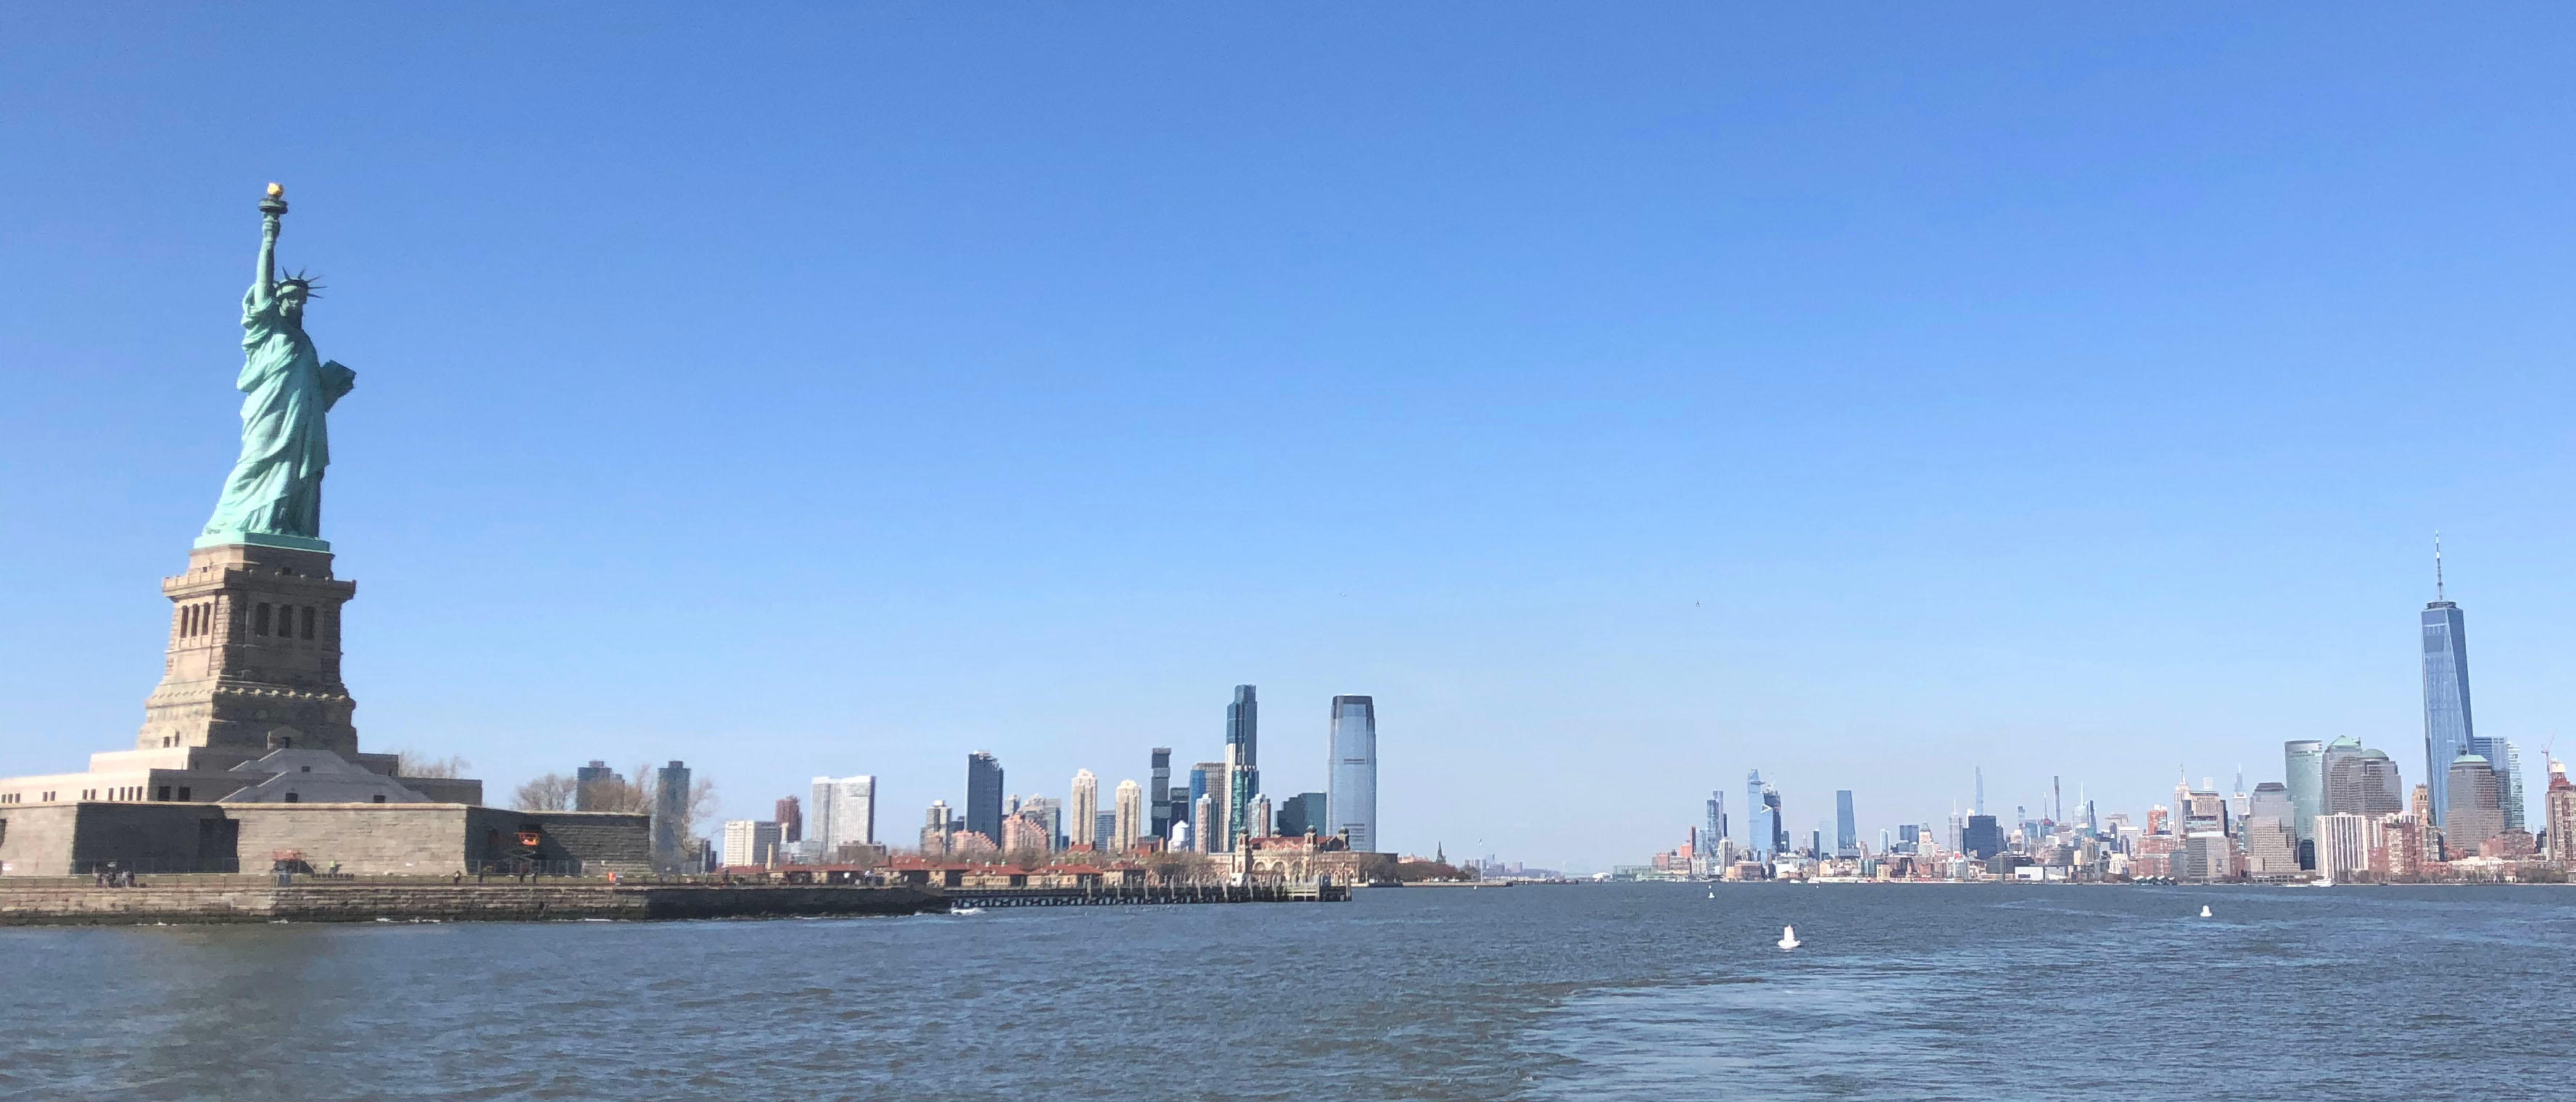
290, 301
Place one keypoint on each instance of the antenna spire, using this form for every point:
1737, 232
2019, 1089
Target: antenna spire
2437, 566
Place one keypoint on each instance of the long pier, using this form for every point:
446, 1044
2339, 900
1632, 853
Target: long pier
961, 898
219, 899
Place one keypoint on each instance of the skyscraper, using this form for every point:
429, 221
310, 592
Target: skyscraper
1049, 813
1130, 821
1779, 820
1160, 795
1207, 781
1084, 814
1983, 837
670, 815
2560, 806
1242, 761
1350, 788
1717, 835
2344, 844
984, 796
2477, 806
790, 814
845, 813
1302, 813
1846, 832
2506, 759
2304, 762
2271, 846
1760, 832
594, 787
2447, 722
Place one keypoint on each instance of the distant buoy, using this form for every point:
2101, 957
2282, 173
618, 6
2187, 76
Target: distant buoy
1789, 937
1712, 895
2204, 910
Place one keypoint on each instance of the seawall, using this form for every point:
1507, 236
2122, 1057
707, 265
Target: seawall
86, 905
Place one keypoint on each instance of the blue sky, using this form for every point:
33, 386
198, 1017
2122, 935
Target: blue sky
1625, 399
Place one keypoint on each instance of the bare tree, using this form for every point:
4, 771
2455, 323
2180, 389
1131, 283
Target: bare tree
552, 792
413, 763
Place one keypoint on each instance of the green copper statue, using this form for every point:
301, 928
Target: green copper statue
275, 494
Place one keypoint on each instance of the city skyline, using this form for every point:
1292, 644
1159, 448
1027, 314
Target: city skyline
1899, 393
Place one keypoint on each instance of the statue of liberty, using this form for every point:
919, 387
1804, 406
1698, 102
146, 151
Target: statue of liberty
275, 493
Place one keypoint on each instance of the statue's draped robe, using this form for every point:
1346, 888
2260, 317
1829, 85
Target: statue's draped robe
276, 486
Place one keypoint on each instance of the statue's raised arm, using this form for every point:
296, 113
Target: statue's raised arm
272, 214
275, 494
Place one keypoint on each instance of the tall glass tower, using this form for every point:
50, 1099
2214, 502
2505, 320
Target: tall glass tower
1761, 834
1243, 761
1846, 831
2447, 724
1350, 797
984, 795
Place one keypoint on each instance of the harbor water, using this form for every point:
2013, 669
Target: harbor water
1531, 992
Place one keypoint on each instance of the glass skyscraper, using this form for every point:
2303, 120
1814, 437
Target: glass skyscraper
1160, 795
1351, 781
1243, 761
984, 795
1762, 832
2304, 762
2447, 723
1846, 832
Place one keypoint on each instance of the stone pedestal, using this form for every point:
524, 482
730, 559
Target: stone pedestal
254, 658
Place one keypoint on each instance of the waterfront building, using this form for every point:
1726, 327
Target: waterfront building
2271, 844
2559, 805
2205, 855
1203, 823
1846, 831
1258, 823
1128, 822
1104, 828
2344, 844
2448, 725
1761, 835
1350, 787
1304, 812
2477, 806
984, 794
1083, 815
2271, 849
751, 842
845, 813
2506, 759
1158, 794
2401, 850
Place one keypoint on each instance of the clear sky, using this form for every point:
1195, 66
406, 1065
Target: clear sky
1625, 400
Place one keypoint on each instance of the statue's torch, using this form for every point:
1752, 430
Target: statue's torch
273, 203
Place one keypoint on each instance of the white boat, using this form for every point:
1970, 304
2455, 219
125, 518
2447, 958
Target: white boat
2204, 910
967, 911
1789, 937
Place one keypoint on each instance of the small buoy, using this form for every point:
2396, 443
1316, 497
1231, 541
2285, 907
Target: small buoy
1712, 895
2204, 910
1788, 937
